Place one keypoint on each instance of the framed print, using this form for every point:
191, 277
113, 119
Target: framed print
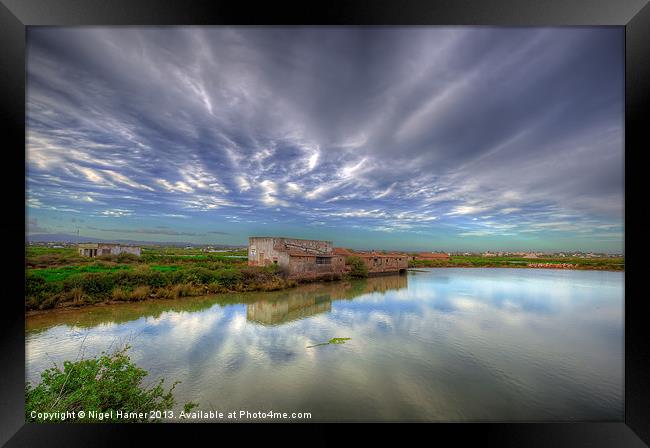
356, 213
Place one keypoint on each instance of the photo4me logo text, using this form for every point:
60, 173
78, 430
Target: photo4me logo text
193, 415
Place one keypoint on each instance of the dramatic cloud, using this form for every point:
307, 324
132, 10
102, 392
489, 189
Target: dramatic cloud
418, 137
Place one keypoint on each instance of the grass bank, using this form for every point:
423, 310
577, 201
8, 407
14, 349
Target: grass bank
78, 287
59, 277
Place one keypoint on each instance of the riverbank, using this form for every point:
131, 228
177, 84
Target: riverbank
58, 279
575, 263
259, 279
143, 283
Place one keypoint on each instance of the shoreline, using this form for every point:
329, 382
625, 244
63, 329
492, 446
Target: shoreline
102, 304
577, 268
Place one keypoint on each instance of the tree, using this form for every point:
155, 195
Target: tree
358, 267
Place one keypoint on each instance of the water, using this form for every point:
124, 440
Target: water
432, 345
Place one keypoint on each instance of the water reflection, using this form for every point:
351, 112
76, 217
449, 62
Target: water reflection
311, 300
268, 308
438, 344
283, 310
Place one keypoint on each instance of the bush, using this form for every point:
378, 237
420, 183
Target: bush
109, 382
119, 294
75, 295
127, 258
35, 285
216, 287
228, 277
358, 267
182, 290
122, 282
198, 276
99, 285
140, 293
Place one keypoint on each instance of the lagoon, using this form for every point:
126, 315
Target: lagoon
446, 344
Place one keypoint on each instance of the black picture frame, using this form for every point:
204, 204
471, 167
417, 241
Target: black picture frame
634, 15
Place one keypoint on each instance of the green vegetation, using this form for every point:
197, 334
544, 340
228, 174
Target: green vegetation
105, 384
331, 341
612, 264
142, 282
45, 257
58, 274
59, 277
359, 268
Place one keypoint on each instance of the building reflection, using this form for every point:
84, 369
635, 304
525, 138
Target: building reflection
269, 308
288, 309
316, 298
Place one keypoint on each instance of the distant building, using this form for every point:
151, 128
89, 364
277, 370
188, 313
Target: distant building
97, 249
488, 254
531, 255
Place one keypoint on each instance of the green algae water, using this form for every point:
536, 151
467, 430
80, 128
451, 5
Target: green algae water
431, 345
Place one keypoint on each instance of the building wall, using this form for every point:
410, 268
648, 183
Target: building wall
98, 249
309, 265
385, 263
116, 249
319, 246
263, 251
88, 252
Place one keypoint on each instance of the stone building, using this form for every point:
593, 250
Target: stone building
305, 258
295, 256
378, 263
97, 249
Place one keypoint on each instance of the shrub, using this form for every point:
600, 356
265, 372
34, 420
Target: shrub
127, 258
50, 301
181, 290
164, 293
140, 293
108, 257
109, 382
34, 285
227, 277
119, 294
358, 267
97, 285
198, 276
216, 287
75, 295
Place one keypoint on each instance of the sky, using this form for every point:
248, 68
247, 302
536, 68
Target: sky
412, 138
